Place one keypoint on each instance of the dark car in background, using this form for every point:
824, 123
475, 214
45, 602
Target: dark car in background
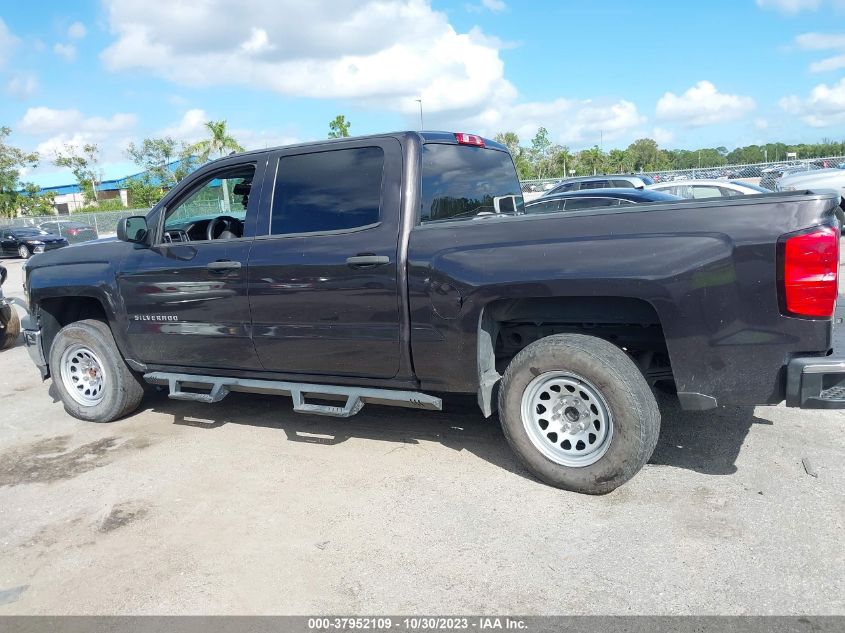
73, 232
596, 198
27, 241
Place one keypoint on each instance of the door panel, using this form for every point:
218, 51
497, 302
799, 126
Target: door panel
186, 301
313, 311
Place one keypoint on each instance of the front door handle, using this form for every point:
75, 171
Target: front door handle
367, 260
223, 264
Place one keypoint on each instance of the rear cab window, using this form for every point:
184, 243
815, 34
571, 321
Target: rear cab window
461, 182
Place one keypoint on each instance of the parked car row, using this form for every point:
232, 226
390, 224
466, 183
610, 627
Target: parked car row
689, 189
26, 241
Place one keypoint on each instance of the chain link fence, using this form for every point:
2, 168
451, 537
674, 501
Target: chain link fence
104, 222
762, 174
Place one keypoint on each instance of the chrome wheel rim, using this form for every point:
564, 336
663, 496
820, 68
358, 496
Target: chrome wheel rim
83, 375
23, 251
567, 419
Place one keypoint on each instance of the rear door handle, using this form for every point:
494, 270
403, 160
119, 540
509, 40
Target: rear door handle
223, 264
361, 261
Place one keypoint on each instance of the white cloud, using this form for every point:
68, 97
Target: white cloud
761, 124
8, 42
494, 5
58, 128
824, 42
662, 135
65, 51
22, 86
76, 31
388, 52
790, 6
703, 104
823, 107
191, 128
568, 121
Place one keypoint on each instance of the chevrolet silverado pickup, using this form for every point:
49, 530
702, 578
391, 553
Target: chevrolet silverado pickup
392, 268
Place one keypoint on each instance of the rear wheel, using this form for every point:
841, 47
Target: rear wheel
23, 251
578, 413
9, 336
90, 375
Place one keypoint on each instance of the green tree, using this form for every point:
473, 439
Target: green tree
509, 140
521, 160
643, 154
35, 202
12, 161
562, 161
164, 163
539, 152
590, 161
219, 143
339, 127
616, 162
82, 163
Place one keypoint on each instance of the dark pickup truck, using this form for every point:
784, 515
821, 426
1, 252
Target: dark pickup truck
391, 268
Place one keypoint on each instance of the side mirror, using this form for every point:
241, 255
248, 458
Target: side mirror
505, 204
132, 229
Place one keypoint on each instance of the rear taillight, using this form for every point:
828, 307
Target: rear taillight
73, 231
469, 139
810, 264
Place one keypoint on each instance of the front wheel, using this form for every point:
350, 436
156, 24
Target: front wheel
578, 413
23, 251
90, 375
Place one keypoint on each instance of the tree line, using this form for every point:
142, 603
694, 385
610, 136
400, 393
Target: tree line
544, 159
162, 163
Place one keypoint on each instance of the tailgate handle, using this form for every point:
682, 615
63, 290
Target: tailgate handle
223, 264
367, 259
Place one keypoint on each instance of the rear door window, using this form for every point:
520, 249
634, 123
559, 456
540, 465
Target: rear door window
461, 182
706, 191
544, 206
595, 184
579, 204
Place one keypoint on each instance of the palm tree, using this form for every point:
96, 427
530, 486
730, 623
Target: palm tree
220, 142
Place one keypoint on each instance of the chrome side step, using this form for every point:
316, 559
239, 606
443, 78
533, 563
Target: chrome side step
355, 397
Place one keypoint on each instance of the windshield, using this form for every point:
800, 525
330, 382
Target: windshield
461, 182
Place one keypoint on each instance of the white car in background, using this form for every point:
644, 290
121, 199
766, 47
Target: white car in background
819, 179
699, 189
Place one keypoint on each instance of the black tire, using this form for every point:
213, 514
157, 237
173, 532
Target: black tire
13, 328
635, 416
123, 389
24, 252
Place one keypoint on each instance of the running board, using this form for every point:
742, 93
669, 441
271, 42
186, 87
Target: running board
355, 397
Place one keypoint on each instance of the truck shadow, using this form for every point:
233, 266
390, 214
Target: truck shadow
705, 442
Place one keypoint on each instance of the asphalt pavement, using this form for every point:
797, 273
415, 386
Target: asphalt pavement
247, 507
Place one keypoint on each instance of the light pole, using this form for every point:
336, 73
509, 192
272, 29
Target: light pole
421, 115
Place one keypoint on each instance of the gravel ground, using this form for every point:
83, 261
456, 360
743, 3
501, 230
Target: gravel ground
246, 507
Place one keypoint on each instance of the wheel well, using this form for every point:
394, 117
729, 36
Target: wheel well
57, 312
508, 326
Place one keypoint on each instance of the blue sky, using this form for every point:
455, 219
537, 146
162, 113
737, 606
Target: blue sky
723, 72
